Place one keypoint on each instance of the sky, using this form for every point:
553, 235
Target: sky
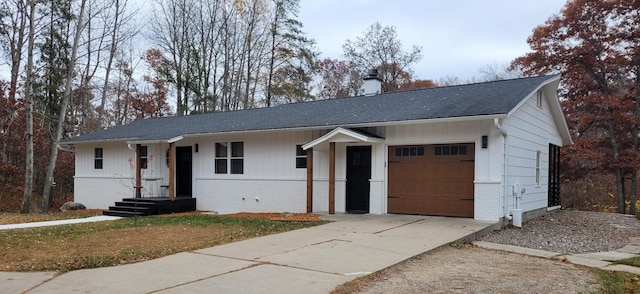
458, 37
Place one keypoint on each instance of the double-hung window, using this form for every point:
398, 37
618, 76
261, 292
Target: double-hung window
229, 158
144, 158
97, 158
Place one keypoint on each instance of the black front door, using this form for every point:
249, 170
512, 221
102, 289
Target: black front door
183, 171
358, 176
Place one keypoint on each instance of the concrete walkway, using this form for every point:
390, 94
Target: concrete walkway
59, 222
311, 260
601, 260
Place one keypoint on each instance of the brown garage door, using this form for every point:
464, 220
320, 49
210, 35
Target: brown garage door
431, 179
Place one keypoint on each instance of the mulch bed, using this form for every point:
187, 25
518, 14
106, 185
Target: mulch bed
274, 216
294, 217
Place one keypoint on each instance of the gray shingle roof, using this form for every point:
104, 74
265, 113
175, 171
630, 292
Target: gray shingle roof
490, 98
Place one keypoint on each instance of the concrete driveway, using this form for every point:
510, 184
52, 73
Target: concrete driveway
311, 260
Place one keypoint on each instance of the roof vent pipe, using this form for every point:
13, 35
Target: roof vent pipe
372, 84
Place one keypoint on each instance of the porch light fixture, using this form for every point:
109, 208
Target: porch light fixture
195, 147
485, 142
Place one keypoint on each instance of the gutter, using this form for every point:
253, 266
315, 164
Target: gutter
505, 135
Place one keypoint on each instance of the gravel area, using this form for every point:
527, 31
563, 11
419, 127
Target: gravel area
468, 269
476, 270
566, 231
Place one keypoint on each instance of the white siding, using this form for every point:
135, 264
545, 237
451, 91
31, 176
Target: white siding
100, 188
270, 182
531, 129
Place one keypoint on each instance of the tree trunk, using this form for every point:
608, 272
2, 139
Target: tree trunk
28, 172
634, 134
620, 197
634, 190
48, 181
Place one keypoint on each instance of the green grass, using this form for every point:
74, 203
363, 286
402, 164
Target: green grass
618, 282
633, 261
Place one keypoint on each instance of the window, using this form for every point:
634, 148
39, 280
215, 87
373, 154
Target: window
229, 159
410, 151
301, 157
237, 158
450, 150
538, 153
221, 158
539, 99
143, 157
97, 158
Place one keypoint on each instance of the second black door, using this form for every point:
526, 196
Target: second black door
358, 176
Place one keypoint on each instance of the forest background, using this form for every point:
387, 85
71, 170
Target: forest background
75, 69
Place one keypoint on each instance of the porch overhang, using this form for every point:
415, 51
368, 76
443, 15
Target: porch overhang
343, 135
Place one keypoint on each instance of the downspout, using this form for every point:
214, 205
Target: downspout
505, 161
131, 147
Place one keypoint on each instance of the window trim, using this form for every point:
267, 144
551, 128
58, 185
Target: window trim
233, 153
98, 159
301, 157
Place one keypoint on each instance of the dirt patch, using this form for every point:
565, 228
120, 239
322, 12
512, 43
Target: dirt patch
469, 269
275, 216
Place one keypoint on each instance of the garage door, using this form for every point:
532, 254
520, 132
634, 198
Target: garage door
431, 180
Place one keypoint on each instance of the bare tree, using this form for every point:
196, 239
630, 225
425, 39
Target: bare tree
12, 37
380, 48
28, 177
63, 110
172, 32
118, 34
497, 71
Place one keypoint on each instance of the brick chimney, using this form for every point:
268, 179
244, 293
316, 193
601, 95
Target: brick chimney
372, 84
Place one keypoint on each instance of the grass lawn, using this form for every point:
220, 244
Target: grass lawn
633, 261
618, 282
128, 240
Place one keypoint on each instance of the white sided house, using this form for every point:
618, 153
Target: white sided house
488, 151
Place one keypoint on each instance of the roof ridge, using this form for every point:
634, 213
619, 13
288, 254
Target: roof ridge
351, 97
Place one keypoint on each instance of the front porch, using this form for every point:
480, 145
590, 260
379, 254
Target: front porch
129, 207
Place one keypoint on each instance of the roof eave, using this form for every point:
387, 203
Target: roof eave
358, 125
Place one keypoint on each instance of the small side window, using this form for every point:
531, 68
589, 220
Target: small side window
538, 155
301, 157
144, 159
539, 99
97, 158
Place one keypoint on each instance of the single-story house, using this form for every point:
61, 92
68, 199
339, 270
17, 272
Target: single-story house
487, 151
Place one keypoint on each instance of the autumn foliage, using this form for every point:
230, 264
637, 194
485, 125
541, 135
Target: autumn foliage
595, 45
12, 157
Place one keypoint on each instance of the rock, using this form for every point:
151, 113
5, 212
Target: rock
72, 206
285, 214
